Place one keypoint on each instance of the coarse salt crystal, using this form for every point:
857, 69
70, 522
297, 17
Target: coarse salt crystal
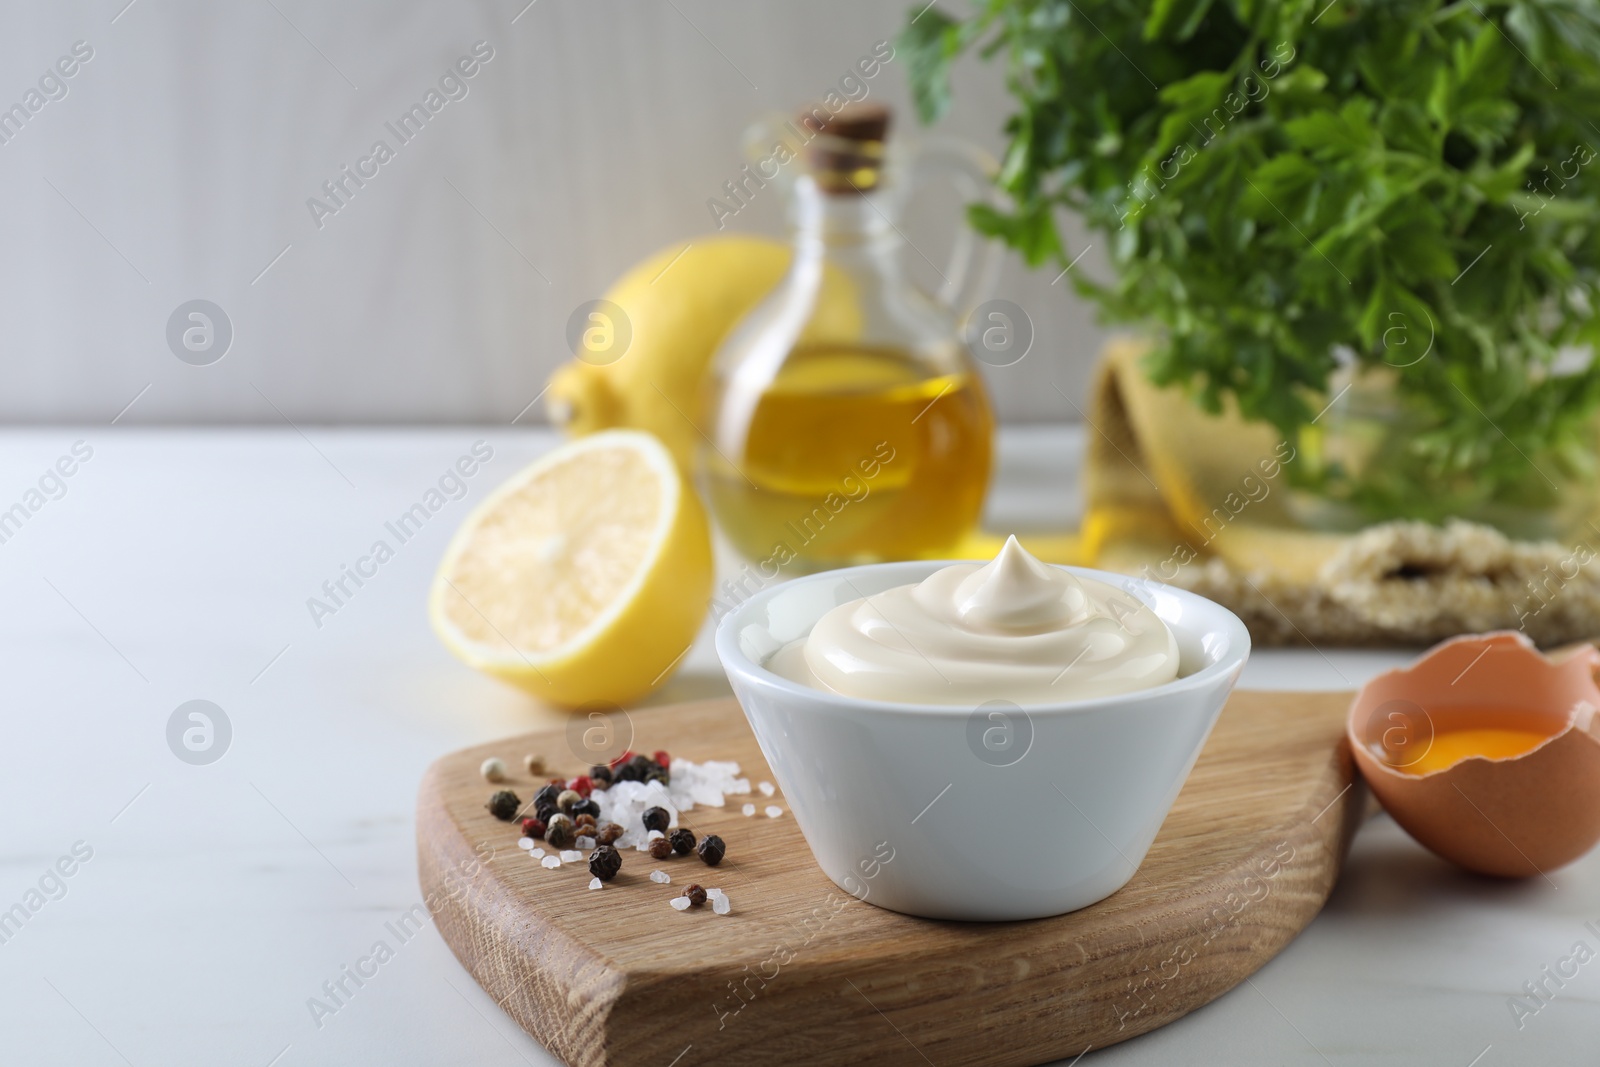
720, 905
713, 893
537, 853
525, 842
708, 784
661, 876
586, 842
773, 811
550, 861
767, 789
570, 855
595, 883
654, 834
748, 809
679, 903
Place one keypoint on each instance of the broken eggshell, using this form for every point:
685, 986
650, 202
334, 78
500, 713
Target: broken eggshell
1512, 817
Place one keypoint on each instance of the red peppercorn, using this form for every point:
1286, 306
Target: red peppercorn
662, 758
561, 782
532, 828
620, 760
583, 785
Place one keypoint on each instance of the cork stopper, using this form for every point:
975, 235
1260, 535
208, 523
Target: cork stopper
846, 151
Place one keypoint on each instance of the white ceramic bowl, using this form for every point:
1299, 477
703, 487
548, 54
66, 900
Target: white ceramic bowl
989, 813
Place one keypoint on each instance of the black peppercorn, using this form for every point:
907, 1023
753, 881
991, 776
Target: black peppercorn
660, 848
559, 832
696, 895
546, 795
711, 849
608, 833
656, 819
600, 775
543, 812
656, 773
682, 840
605, 862
587, 806
503, 805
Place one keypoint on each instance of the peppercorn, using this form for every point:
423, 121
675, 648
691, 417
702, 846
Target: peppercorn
534, 764
662, 758
493, 769
660, 848
605, 862
559, 832
543, 812
587, 806
584, 825
533, 828
582, 785
600, 775
656, 818
622, 759
696, 895
657, 774
547, 794
712, 849
642, 763
682, 840
608, 833
567, 799
503, 805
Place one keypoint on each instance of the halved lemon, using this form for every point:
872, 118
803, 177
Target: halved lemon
584, 577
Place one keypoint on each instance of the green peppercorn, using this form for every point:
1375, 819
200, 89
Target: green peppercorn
559, 831
608, 833
605, 862
696, 895
682, 840
711, 848
503, 805
660, 848
656, 819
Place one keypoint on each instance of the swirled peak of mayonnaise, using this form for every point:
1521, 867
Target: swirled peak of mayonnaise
1011, 629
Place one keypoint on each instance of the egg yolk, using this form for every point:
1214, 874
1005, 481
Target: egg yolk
1493, 742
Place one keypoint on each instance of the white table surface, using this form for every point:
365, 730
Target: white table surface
219, 898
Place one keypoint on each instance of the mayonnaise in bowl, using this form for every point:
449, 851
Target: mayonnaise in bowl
1011, 629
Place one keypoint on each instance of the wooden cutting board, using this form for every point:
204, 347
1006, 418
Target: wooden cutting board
802, 973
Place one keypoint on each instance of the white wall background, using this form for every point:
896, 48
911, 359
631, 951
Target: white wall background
178, 165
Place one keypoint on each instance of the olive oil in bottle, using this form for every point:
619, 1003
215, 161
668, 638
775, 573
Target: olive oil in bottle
845, 421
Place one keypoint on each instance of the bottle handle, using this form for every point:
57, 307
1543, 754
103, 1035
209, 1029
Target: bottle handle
974, 264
